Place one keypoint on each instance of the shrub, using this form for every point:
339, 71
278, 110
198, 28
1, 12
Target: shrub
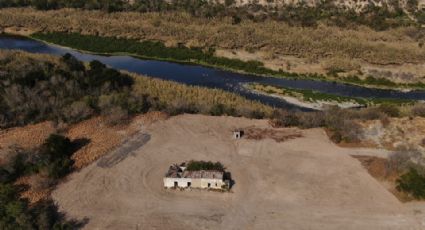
336, 137
418, 110
70, 92
412, 183
116, 115
204, 165
16, 213
217, 110
390, 110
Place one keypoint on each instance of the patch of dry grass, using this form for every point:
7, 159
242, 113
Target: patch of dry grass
104, 138
274, 134
28, 137
178, 95
395, 46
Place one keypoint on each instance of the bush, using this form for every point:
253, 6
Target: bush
336, 137
390, 110
16, 213
116, 115
204, 165
282, 118
412, 183
418, 110
217, 110
61, 90
70, 92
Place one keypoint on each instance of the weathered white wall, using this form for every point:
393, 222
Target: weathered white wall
214, 183
182, 182
195, 183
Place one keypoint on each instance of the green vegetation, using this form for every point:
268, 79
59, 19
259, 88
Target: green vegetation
382, 82
412, 183
157, 50
54, 158
154, 50
334, 48
62, 90
204, 165
35, 88
315, 96
15, 213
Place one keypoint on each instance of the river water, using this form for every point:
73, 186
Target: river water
208, 77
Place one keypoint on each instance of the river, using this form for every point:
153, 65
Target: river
196, 75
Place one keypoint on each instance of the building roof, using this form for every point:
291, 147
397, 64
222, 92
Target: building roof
176, 172
209, 174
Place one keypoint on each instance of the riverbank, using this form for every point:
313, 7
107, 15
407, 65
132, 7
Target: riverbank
317, 100
181, 54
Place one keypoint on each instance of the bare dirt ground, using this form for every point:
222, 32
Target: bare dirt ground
302, 183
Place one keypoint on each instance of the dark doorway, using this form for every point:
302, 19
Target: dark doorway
209, 185
176, 184
189, 184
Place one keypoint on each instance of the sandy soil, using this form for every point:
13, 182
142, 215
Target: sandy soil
303, 183
19, 31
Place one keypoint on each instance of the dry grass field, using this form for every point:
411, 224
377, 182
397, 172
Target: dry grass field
394, 53
100, 136
396, 133
303, 183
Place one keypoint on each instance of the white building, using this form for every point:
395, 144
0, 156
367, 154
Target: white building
179, 177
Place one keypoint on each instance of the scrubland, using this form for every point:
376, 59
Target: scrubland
393, 46
40, 87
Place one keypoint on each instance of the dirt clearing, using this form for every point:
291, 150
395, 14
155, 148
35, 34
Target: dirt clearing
302, 183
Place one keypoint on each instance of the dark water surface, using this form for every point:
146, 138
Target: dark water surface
208, 77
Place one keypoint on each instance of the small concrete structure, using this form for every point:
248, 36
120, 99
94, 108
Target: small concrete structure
178, 177
237, 134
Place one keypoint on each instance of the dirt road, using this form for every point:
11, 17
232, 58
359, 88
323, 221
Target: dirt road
303, 183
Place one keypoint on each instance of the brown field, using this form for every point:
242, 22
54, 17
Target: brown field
103, 138
403, 132
302, 183
393, 54
27, 137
